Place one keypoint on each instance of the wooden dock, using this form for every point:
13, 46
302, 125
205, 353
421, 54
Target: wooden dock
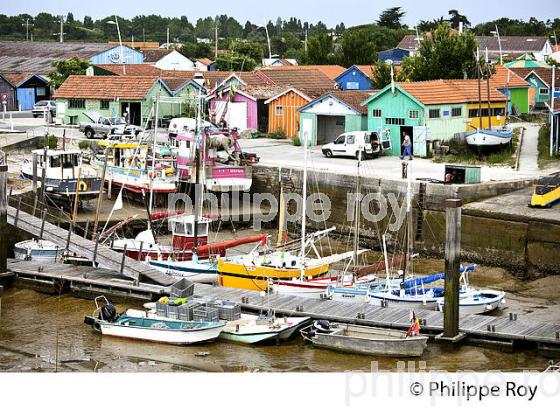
503, 330
105, 257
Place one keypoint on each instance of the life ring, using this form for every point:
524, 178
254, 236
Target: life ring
96, 326
82, 186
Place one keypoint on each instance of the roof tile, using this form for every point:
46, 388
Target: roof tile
106, 87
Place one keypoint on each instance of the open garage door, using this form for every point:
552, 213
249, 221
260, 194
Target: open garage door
328, 128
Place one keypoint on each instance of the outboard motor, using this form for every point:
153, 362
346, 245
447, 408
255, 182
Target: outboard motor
108, 313
322, 326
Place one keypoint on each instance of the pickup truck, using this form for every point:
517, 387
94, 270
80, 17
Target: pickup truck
103, 127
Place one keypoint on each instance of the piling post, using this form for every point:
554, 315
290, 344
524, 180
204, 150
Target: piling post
1, 293
3, 218
123, 259
86, 229
43, 217
141, 249
452, 270
95, 248
35, 173
17, 212
70, 229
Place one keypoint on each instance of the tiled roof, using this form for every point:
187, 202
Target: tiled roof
174, 83
544, 74
15, 78
205, 61
366, 69
37, 56
450, 91
106, 87
331, 71
510, 44
131, 69
310, 82
137, 44
153, 55
354, 98
211, 77
504, 77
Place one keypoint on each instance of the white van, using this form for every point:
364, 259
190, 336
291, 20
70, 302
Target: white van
350, 144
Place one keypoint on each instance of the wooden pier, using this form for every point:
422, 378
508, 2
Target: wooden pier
106, 258
502, 330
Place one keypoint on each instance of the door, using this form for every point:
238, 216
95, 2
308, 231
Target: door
410, 132
26, 98
421, 136
306, 130
329, 127
339, 145
350, 146
236, 116
133, 111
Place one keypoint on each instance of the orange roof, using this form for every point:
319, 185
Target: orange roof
354, 98
131, 69
311, 82
16, 78
504, 77
366, 69
331, 71
106, 87
137, 44
450, 91
205, 61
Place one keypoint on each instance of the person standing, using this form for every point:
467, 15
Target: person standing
407, 147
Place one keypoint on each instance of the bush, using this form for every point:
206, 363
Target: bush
544, 147
53, 142
279, 134
83, 145
296, 141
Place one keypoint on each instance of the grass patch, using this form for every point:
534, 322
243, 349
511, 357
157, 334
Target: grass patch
544, 147
279, 134
296, 141
460, 152
53, 142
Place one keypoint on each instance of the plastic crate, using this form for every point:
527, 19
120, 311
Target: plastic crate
172, 312
161, 309
206, 314
230, 311
183, 288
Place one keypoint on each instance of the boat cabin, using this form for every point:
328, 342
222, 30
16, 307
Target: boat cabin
59, 164
182, 228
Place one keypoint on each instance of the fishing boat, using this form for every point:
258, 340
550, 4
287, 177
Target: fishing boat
137, 166
547, 191
251, 329
197, 271
61, 173
37, 250
106, 321
364, 339
489, 137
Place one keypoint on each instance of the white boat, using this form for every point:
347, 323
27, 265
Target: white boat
475, 301
251, 329
64, 176
197, 271
364, 339
108, 323
494, 137
37, 250
316, 288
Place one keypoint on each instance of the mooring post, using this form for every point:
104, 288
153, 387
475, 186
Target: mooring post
86, 229
1, 293
35, 173
70, 229
17, 212
43, 217
140, 252
123, 259
452, 268
95, 248
3, 218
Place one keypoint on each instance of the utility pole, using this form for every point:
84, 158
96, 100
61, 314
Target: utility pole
268, 41
167, 44
27, 29
305, 43
61, 28
216, 49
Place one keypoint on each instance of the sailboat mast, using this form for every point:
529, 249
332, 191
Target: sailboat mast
357, 213
479, 91
151, 203
304, 204
409, 236
197, 172
488, 95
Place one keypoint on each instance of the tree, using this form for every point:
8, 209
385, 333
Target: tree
357, 47
65, 68
380, 75
391, 17
88, 22
319, 49
455, 18
233, 61
445, 55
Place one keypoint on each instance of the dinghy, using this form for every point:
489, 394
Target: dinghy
37, 250
106, 321
364, 339
251, 329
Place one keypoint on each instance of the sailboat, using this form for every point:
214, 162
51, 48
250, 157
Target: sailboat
491, 136
256, 270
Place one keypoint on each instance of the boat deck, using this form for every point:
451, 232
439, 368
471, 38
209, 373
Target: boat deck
503, 330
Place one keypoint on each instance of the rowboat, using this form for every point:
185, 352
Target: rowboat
251, 329
364, 339
493, 137
106, 321
473, 301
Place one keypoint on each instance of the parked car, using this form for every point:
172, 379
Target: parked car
40, 107
351, 144
102, 127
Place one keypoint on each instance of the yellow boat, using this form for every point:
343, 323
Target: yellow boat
254, 271
547, 192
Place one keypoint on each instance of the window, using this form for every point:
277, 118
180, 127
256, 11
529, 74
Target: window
498, 111
413, 114
350, 139
76, 103
104, 104
376, 113
473, 112
352, 85
434, 113
394, 121
543, 91
279, 110
340, 140
456, 112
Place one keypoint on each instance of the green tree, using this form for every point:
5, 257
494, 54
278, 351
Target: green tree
380, 75
391, 17
65, 68
455, 18
357, 47
444, 55
88, 22
233, 61
319, 49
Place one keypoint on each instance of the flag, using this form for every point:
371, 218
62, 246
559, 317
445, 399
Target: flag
263, 240
118, 203
414, 329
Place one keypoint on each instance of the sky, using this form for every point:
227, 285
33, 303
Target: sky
331, 12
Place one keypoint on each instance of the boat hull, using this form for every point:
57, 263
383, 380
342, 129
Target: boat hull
196, 272
33, 250
483, 302
369, 341
488, 138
